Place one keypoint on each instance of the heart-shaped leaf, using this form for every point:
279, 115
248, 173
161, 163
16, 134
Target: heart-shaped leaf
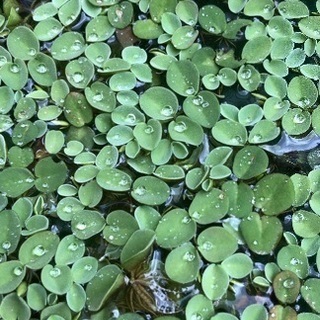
261, 234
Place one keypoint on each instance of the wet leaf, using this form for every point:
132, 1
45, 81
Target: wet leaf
214, 282
15, 181
250, 162
120, 226
261, 234
199, 305
14, 306
50, 174
68, 46
22, 43
182, 263
201, 206
212, 248
310, 293
13, 273
87, 223
293, 258
183, 78
69, 250
302, 92
77, 110
175, 228
286, 286
150, 190
137, 248
38, 250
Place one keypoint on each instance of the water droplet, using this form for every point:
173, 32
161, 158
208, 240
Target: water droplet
186, 220
68, 208
81, 226
39, 250
212, 29
99, 59
190, 34
189, 256
294, 261
73, 246
255, 242
77, 77
114, 228
299, 118
196, 316
55, 272
267, 8
180, 127
77, 45
190, 90
167, 111
257, 138
98, 97
3, 60
32, 52
14, 68
6, 245
130, 118
123, 182
197, 100
148, 129
29, 180
45, 185
140, 191
207, 245
196, 215
289, 283
93, 37
64, 50
2, 161
18, 271
246, 73
41, 68
88, 267
303, 102
236, 139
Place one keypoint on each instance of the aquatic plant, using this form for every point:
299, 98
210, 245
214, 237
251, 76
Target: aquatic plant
159, 159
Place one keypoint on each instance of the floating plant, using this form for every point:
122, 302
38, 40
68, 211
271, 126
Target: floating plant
159, 159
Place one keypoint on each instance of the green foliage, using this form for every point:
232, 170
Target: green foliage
152, 155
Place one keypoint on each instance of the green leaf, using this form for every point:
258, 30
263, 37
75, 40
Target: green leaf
183, 77
13, 273
38, 250
261, 234
274, 194
77, 110
22, 43
15, 181
214, 282
106, 281
212, 248
182, 263
50, 174
137, 248
150, 190
56, 279
175, 228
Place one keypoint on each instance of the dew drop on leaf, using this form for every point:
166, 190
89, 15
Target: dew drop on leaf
55, 272
18, 271
189, 256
